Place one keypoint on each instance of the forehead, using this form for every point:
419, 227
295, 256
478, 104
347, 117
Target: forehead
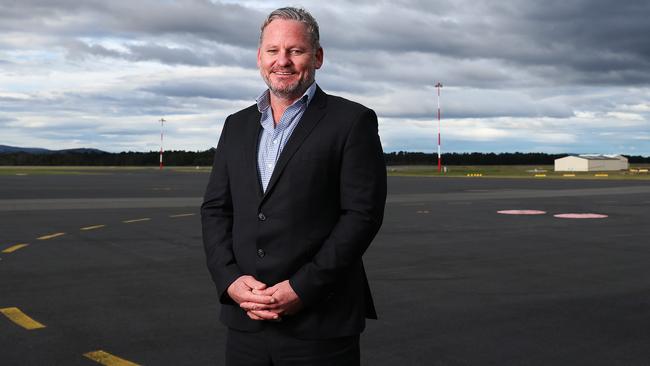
285, 31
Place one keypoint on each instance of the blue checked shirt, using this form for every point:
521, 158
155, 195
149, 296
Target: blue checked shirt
274, 138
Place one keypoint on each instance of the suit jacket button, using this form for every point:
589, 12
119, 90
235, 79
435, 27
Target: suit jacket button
261, 253
261, 216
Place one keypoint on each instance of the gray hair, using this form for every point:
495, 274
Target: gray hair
297, 14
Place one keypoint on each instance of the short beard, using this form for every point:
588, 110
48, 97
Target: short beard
293, 91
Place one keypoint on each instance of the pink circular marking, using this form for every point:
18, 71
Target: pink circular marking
521, 212
580, 216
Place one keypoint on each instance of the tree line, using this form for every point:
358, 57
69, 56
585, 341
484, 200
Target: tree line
130, 158
203, 158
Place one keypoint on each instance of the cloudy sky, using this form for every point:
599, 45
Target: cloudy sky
519, 75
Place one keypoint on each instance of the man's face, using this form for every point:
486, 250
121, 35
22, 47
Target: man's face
286, 59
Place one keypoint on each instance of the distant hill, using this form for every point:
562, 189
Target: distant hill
31, 150
81, 150
5, 149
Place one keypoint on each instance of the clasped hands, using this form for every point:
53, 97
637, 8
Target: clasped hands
264, 303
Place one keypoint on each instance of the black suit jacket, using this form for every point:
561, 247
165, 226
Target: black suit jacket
323, 206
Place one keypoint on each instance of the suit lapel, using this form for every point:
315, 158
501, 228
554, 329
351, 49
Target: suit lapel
250, 158
314, 113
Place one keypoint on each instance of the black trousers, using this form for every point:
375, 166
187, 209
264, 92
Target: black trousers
271, 347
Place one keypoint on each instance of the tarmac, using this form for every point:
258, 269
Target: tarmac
114, 271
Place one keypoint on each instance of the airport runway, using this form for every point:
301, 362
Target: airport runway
119, 268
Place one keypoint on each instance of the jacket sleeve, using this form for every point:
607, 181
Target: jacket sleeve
217, 222
362, 200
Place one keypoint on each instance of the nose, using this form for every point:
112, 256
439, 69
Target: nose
283, 58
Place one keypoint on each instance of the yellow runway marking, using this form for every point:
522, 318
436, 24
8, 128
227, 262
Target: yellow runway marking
50, 236
92, 227
182, 215
20, 318
540, 175
568, 175
108, 359
14, 248
136, 220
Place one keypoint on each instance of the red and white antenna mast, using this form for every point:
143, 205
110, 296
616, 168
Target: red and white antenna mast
439, 86
162, 120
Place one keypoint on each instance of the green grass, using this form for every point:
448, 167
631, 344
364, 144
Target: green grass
511, 171
486, 171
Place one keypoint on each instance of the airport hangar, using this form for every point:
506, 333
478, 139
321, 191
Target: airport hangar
591, 163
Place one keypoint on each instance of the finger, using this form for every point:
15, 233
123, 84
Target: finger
260, 299
247, 305
265, 314
253, 316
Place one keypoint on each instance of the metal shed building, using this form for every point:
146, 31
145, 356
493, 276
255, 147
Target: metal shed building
591, 163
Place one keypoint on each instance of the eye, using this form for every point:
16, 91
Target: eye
296, 52
272, 51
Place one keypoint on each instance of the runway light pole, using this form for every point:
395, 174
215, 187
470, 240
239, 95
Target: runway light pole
439, 86
162, 121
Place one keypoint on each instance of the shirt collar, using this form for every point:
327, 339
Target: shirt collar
264, 100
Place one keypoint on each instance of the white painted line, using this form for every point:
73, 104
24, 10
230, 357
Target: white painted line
21, 319
92, 227
521, 212
14, 248
50, 236
580, 216
108, 359
136, 220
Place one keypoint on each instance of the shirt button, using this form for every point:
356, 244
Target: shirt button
275, 141
269, 165
261, 253
261, 216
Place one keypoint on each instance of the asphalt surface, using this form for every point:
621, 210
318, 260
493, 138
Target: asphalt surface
454, 282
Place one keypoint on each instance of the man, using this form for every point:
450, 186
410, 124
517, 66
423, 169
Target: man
296, 195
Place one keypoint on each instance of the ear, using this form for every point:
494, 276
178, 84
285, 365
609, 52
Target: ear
319, 57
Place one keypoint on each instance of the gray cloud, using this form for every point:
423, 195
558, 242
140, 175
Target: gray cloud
77, 49
217, 89
146, 52
190, 54
93, 18
194, 60
588, 42
5, 121
126, 132
167, 55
